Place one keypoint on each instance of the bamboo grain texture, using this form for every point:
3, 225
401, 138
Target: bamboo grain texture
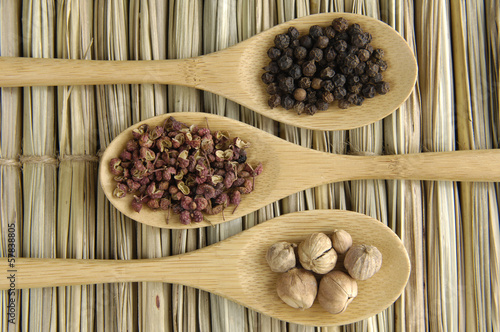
289, 168
234, 73
236, 268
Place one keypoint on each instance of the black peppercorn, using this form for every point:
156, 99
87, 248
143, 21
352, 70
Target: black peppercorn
371, 69
369, 48
355, 88
316, 54
286, 85
354, 29
360, 69
316, 83
359, 100
294, 43
364, 79
327, 97
312, 96
346, 70
344, 104
299, 107
285, 62
267, 78
300, 52
368, 37
274, 101
329, 32
300, 94
340, 46
358, 40
309, 68
377, 78
378, 54
305, 83
363, 55
368, 91
340, 24
339, 93
306, 41
339, 80
272, 67
272, 88
322, 105
315, 31
274, 53
352, 79
295, 72
311, 109
327, 73
382, 65
329, 54
342, 36
322, 42
382, 88
328, 85
293, 33
351, 98
288, 52
351, 61
282, 41
287, 102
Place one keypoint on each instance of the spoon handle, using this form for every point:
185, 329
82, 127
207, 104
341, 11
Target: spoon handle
190, 270
16, 72
474, 165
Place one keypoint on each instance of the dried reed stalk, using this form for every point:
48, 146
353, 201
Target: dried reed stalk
11, 209
148, 42
479, 200
115, 233
402, 135
492, 9
443, 224
219, 32
185, 40
77, 171
39, 178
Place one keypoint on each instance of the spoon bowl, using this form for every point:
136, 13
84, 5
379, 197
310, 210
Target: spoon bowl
235, 73
236, 268
289, 168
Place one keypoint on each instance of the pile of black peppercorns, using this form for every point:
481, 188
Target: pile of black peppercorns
310, 72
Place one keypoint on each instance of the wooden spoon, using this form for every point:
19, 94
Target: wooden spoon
289, 168
236, 268
234, 73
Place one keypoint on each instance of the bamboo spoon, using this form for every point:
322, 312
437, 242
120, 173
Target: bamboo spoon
236, 268
289, 168
234, 73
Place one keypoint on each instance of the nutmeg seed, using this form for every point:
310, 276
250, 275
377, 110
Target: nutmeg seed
317, 254
336, 291
341, 241
297, 288
363, 261
281, 256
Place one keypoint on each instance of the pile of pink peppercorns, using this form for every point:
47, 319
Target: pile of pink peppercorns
189, 169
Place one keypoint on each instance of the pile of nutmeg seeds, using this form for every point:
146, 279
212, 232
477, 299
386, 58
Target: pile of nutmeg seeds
297, 285
190, 169
333, 63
